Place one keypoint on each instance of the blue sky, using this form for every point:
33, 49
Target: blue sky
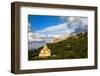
39, 22
44, 24
45, 28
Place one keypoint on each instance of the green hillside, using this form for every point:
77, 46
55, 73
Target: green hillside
72, 48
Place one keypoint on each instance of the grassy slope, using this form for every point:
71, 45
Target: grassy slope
70, 48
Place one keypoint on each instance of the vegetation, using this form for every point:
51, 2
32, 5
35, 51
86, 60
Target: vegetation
72, 48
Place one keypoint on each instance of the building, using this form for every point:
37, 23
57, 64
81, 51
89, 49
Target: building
45, 52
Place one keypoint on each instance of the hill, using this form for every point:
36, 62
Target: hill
71, 48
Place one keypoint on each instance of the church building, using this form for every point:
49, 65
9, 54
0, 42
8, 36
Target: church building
45, 52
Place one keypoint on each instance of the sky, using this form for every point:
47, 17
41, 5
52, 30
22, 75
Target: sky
39, 22
45, 28
49, 26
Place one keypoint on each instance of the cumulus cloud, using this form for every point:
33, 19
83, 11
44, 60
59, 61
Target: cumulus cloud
76, 23
56, 29
53, 28
84, 20
71, 24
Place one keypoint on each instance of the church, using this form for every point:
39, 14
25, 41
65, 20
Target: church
45, 52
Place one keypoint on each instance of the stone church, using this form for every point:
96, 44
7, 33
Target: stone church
45, 52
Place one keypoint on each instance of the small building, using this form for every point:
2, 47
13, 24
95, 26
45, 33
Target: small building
45, 52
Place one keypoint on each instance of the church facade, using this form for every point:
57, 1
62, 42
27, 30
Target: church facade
45, 52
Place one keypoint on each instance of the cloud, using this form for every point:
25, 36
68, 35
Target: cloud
76, 23
69, 18
84, 20
74, 18
36, 36
71, 25
56, 29
53, 28
29, 26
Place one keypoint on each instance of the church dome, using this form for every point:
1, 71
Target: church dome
45, 52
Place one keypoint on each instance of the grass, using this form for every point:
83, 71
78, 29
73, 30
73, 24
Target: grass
71, 48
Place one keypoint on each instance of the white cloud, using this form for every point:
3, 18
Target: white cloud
71, 24
53, 28
56, 29
75, 18
84, 20
36, 36
29, 26
76, 24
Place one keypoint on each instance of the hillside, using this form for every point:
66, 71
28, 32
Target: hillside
72, 48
